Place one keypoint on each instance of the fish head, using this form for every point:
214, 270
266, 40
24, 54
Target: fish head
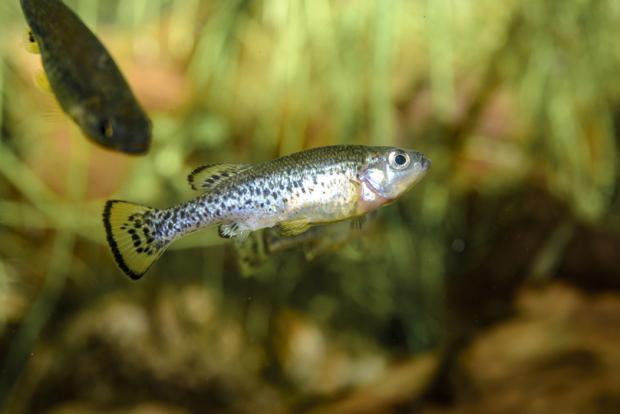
119, 127
389, 172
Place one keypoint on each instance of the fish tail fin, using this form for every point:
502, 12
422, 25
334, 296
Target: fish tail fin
132, 237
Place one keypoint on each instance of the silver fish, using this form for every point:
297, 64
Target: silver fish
292, 193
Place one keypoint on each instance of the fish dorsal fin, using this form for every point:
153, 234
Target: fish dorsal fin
209, 176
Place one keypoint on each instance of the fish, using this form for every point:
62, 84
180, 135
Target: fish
84, 78
291, 194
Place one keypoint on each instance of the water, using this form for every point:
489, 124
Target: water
492, 286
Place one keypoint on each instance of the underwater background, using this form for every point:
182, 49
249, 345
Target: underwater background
492, 287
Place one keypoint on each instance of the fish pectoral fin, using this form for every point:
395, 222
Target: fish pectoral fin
31, 43
40, 79
293, 227
209, 176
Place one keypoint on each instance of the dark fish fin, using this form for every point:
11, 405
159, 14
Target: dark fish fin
131, 237
293, 227
209, 176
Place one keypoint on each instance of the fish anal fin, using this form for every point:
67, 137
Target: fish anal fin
293, 227
230, 230
209, 176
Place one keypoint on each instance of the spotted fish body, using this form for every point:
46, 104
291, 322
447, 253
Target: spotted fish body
85, 79
321, 185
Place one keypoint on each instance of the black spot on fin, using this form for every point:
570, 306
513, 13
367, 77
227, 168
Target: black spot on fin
131, 239
209, 176
230, 230
31, 43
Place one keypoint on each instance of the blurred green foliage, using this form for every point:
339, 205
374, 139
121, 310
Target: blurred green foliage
502, 96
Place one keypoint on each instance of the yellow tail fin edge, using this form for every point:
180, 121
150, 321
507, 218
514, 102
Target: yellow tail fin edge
131, 237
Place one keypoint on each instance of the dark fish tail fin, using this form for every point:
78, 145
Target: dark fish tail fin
132, 237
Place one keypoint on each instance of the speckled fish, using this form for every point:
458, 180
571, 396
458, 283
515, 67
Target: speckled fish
321, 185
84, 78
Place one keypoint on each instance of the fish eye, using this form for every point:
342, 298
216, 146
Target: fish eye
399, 160
105, 128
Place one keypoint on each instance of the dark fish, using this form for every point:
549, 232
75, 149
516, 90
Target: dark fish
85, 80
322, 185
